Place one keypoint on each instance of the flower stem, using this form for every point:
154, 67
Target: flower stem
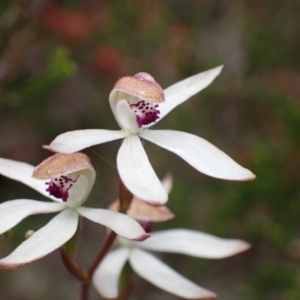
67, 253
73, 267
126, 294
125, 198
106, 247
84, 291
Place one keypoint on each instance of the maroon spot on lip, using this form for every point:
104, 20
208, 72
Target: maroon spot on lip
61, 189
146, 113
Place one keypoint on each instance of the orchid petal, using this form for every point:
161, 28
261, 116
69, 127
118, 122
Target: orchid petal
183, 90
117, 222
79, 191
50, 237
107, 275
77, 140
162, 276
167, 183
137, 173
13, 212
193, 243
199, 153
126, 117
22, 172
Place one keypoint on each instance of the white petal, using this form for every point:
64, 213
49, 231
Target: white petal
50, 237
199, 153
77, 140
107, 275
183, 90
137, 173
22, 172
80, 189
161, 275
167, 183
117, 222
126, 117
193, 243
13, 212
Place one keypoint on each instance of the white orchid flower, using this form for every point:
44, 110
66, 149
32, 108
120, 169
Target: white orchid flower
147, 266
182, 241
67, 179
137, 103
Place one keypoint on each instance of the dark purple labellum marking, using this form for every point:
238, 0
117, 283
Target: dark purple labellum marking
59, 187
146, 112
147, 226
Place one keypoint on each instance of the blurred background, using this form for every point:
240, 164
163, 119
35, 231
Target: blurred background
60, 59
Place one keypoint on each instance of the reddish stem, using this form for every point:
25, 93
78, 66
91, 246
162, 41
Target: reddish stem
106, 247
73, 267
125, 198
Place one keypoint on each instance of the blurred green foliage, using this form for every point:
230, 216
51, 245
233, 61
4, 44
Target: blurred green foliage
58, 68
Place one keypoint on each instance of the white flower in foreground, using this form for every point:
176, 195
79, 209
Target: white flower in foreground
138, 102
67, 179
193, 243
183, 241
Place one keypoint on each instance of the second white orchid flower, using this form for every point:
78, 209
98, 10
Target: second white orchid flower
183, 241
67, 179
139, 102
